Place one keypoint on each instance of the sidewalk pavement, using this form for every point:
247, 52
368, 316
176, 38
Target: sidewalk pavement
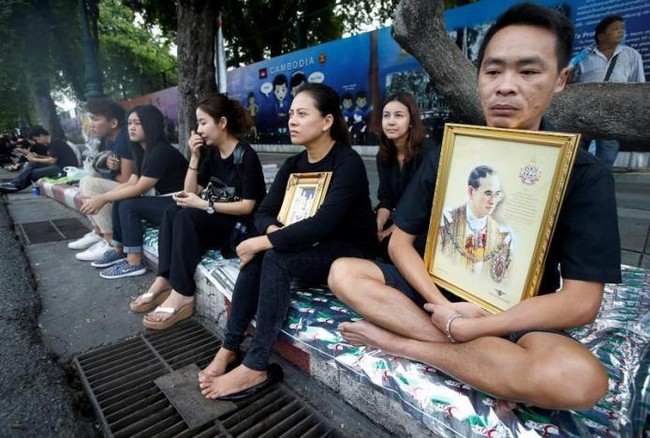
633, 202
80, 311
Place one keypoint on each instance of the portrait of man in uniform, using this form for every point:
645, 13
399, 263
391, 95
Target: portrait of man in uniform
470, 235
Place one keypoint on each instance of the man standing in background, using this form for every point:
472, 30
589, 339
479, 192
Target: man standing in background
610, 60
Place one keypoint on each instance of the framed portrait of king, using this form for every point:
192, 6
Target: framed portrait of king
497, 197
304, 195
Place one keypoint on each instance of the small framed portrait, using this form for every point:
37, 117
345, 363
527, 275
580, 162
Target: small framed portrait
497, 197
304, 195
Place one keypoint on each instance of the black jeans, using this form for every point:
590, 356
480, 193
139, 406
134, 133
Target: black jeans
185, 234
128, 215
262, 290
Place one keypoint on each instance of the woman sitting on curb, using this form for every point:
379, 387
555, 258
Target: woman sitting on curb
402, 147
159, 166
194, 225
304, 250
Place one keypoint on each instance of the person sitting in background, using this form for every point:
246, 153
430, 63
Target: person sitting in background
5, 150
59, 155
610, 61
194, 224
159, 166
402, 147
107, 120
343, 225
20, 147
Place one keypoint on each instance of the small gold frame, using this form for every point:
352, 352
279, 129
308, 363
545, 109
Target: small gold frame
304, 195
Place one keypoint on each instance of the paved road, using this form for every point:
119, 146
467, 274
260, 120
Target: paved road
35, 398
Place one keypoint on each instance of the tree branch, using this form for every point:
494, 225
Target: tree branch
601, 110
419, 29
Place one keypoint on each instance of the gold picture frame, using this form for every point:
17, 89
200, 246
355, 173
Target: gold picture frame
304, 195
497, 197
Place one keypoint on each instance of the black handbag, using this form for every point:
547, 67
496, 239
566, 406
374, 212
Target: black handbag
219, 191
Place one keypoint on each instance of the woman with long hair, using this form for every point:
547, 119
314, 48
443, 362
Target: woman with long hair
194, 224
402, 148
343, 226
159, 172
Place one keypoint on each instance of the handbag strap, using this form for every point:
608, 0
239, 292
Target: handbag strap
238, 158
610, 69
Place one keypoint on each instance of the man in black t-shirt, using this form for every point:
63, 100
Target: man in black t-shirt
521, 354
59, 155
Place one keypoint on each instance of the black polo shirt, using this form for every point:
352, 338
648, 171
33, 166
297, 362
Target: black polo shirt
586, 244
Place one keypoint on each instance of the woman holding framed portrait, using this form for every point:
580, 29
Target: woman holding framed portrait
402, 147
341, 225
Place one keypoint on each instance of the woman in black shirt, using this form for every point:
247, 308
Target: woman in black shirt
159, 170
343, 225
402, 147
194, 224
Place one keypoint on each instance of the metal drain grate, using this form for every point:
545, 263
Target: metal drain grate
119, 381
52, 230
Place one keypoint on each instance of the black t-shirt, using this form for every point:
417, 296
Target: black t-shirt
38, 148
393, 180
248, 180
63, 153
165, 163
345, 215
586, 244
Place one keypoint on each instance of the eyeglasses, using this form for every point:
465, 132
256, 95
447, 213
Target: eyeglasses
496, 196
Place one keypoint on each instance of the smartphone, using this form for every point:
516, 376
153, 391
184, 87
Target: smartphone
181, 195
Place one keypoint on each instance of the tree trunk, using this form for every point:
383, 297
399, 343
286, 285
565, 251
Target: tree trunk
420, 29
62, 43
196, 33
45, 108
603, 110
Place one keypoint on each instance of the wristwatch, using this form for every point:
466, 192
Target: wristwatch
210, 208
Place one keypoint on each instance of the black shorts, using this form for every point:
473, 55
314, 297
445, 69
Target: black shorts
394, 279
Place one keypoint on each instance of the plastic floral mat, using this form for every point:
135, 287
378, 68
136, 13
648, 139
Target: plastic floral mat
619, 337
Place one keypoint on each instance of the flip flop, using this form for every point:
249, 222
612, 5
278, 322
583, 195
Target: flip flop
275, 375
157, 299
177, 315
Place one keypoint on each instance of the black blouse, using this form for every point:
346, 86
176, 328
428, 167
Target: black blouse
393, 180
248, 180
346, 213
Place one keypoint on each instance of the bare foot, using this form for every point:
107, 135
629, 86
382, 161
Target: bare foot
218, 366
236, 380
365, 333
174, 300
160, 285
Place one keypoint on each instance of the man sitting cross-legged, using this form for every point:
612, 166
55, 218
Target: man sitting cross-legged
522, 354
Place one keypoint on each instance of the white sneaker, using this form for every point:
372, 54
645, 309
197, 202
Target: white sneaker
94, 252
86, 241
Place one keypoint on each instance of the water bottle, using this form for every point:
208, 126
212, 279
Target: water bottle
36, 190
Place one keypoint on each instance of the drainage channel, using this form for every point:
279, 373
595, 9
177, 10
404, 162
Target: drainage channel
119, 381
51, 230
